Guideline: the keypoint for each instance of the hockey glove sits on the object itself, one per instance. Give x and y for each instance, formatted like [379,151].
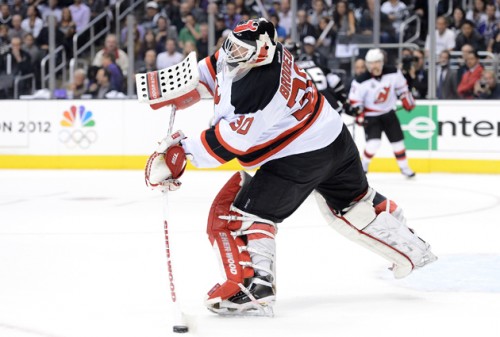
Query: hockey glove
[359,115]
[408,101]
[166,164]
[360,119]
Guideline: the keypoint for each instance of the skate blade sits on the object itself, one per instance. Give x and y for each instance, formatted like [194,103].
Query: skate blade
[251,309]
[427,259]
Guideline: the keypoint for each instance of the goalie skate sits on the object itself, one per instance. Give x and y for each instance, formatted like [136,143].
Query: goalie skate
[255,300]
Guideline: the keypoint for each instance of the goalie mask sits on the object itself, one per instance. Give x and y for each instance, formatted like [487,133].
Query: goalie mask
[252,43]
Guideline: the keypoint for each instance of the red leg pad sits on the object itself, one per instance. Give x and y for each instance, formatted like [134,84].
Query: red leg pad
[219,232]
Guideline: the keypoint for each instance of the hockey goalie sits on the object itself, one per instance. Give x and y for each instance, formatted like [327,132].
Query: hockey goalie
[269,115]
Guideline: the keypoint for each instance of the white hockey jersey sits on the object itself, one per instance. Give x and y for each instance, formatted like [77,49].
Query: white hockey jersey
[272,112]
[378,95]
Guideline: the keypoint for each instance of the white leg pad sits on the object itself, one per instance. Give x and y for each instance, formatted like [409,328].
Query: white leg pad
[383,235]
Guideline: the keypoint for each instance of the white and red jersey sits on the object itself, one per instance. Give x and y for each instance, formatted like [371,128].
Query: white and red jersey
[378,95]
[273,111]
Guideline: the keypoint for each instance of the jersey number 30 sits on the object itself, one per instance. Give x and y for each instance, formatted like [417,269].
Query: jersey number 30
[241,125]
[299,84]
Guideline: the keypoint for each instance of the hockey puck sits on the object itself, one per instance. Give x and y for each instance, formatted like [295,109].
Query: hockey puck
[180,328]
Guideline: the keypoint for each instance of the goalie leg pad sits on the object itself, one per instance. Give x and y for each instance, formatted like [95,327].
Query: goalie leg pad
[380,232]
[230,231]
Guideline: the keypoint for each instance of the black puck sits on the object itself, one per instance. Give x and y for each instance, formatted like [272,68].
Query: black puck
[180,328]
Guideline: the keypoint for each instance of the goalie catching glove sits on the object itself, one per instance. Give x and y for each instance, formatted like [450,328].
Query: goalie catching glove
[166,164]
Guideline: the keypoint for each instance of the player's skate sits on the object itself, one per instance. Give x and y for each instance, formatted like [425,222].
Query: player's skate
[426,257]
[407,172]
[257,299]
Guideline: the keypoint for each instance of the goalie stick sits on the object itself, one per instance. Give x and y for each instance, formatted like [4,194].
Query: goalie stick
[176,86]
[180,325]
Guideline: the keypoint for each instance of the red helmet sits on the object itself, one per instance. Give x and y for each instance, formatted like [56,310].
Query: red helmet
[252,43]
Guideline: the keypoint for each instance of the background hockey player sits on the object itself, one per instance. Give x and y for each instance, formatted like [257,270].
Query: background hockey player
[373,97]
[267,114]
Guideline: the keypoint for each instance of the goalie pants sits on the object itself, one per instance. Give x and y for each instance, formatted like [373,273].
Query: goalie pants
[280,186]
[387,123]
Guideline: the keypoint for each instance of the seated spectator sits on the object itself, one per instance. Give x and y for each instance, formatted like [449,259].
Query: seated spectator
[48,9]
[162,32]
[32,23]
[189,46]
[387,31]
[80,13]
[13,63]
[279,29]
[344,21]
[325,45]
[190,31]
[396,11]
[304,28]
[148,63]
[220,26]
[359,67]
[20,60]
[138,33]
[32,48]
[445,38]
[170,56]
[42,41]
[202,43]
[97,7]
[193,7]
[462,69]
[489,27]
[16,30]
[151,17]
[311,54]
[102,86]
[285,15]
[457,20]
[4,39]
[478,13]
[446,78]
[79,85]
[471,76]
[5,15]
[115,73]
[149,42]
[486,87]
[317,12]
[19,7]
[231,18]
[67,25]
[494,44]
[469,35]
[111,46]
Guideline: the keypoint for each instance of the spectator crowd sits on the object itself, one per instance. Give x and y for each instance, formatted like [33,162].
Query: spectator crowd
[467,39]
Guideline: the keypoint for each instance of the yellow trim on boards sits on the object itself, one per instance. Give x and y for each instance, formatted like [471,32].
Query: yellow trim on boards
[421,165]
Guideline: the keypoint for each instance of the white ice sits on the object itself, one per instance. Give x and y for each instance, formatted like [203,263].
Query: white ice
[82,254]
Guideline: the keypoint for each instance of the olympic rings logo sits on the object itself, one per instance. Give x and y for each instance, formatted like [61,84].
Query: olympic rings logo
[77,138]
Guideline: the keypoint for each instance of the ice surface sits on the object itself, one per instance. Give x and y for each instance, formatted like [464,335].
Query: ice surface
[82,255]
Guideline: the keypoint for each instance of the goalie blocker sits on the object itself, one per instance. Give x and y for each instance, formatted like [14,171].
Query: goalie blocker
[177,85]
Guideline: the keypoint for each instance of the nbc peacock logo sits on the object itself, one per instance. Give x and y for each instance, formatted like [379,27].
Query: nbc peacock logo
[77,128]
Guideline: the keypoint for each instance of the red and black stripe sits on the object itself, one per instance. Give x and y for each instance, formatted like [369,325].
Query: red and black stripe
[215,147]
